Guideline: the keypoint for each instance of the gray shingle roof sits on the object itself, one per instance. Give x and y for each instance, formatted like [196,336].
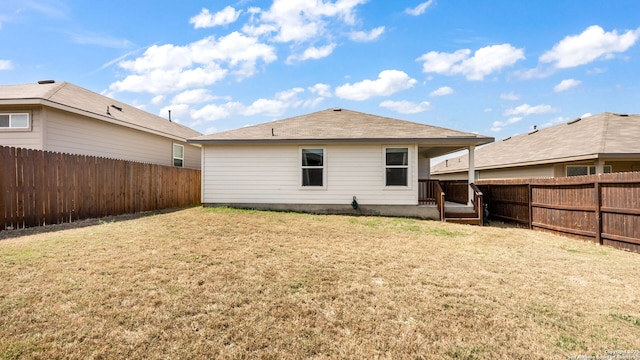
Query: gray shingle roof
[341,125]
[602,135]
[74,98]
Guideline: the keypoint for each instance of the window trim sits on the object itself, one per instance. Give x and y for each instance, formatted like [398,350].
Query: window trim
[588,168]
[174,157]
[385,167]
[302,167]
[19,112]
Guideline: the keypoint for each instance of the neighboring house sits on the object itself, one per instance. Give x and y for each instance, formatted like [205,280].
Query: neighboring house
[596,144]
[321,162]
[62,117]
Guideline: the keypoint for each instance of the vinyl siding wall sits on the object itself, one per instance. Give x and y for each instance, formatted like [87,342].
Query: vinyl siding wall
[271,174]
[29,139]
[76,134]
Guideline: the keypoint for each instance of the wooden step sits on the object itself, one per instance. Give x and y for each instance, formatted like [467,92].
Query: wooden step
[448,214]
[463,220]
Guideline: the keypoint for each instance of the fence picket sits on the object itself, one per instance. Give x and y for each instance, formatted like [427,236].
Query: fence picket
[40,187]
[601,208]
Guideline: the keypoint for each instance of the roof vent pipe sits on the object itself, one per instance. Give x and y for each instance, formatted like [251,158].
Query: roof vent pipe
[169,115]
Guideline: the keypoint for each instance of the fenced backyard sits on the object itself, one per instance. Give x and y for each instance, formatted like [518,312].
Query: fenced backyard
[601,208]
[40,187]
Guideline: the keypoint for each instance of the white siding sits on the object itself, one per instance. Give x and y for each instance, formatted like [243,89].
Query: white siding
[271,174]
[75,134]
[29,139]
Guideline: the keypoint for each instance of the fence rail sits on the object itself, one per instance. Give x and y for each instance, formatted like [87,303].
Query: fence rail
[602,208]
[40,187]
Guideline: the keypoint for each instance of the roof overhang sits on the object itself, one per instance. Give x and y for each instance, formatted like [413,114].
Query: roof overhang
[78,111]
[448,142]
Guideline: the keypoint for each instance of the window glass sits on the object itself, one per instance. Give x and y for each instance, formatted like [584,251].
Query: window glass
[576,170]
[312,157]
[397,156]
[4,120]
[312,167]
[397,166]
[178,155]
[20,120]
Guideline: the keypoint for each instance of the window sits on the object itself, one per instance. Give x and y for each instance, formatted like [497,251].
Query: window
[397,166]
[312,167]
[14,121]
[581,170]
[178,155]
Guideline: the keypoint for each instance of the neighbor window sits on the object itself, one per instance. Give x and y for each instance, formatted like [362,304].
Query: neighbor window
[396,166]
[178,155]
[14,121]
[312,167]
[580,170]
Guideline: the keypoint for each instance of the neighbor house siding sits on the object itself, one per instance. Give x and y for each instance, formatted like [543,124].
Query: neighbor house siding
[518,172]
[270,174]
[30,138]
[76,134]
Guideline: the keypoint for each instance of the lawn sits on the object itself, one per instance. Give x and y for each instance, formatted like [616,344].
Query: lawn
[224,283]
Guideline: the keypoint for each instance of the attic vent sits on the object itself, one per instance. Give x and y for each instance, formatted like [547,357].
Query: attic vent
[41,82]
[623,115]
[574,121]
[116,107]
[337,109]
[535,130]
[505,139]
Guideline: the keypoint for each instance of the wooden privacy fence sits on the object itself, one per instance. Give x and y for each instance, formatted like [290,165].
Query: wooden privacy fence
[40,187]
[601,208]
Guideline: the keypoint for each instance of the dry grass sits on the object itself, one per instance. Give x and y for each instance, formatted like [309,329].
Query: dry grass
[222,283]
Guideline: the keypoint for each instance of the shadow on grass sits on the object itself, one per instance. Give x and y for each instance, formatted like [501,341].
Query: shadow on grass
[16,233]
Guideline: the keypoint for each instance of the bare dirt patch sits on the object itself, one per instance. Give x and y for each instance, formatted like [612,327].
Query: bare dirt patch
[223,283]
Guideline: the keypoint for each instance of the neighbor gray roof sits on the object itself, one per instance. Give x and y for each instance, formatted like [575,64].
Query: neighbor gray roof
[73,98]
[341,125]
[605,135]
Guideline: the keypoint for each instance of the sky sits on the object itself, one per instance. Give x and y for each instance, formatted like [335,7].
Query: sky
[495,67]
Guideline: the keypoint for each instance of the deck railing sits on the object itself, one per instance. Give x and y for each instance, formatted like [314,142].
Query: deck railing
[430,193]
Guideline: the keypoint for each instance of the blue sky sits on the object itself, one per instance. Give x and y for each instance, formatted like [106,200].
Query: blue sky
[492,67]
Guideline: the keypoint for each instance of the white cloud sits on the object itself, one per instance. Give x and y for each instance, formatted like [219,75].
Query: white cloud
[420,9]
[6,65]
[158,99]
[499,125]
[388,82]
[320,89]
[592,44]
[363,36]
[168,68]
[526,109]
[406,107]
[484,61]
[312,53]
[510,96]
[195,96]
[178,112]
[275,106]
[299,21]
[88,38]
[205,19]
[555,121]
[567,84]
[442,91]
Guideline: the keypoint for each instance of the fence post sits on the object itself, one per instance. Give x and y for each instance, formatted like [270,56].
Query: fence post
[598,189]
[530,191]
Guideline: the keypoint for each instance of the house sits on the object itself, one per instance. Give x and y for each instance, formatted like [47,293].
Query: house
[596,144]
[331,161]
[62,117]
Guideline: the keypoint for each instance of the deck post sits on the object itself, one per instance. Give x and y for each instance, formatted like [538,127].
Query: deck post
[472,171]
